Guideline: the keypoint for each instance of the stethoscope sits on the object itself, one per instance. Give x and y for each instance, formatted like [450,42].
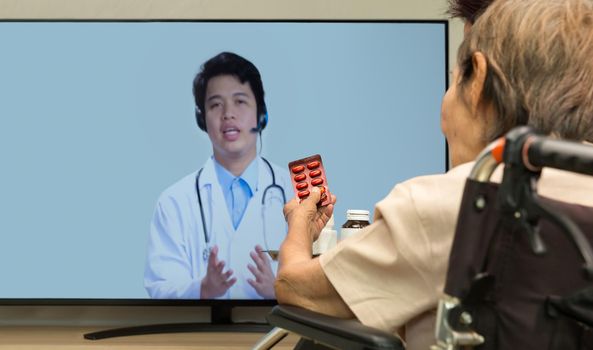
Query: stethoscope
[206,250]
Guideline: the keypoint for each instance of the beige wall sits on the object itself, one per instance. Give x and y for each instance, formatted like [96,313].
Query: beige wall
[234,9]
[255,9]
[196,9]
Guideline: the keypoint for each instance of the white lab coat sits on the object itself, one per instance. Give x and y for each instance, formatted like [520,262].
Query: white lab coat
[176,262]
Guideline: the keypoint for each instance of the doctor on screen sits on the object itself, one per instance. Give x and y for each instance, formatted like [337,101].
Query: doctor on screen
[209,229]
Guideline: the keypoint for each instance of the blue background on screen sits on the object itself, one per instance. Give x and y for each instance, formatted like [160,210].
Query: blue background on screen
[96,119]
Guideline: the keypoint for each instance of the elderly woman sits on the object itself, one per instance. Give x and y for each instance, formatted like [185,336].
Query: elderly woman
[522,62]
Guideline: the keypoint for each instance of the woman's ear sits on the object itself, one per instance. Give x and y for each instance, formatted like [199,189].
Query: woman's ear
[478,78]
[467,26]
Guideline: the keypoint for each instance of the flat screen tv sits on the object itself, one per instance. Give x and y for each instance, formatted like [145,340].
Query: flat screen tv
[97,120]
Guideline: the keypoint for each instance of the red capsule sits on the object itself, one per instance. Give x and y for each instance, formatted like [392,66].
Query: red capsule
[313,164]
[303,194]
[317,182]
[315,173]
[297,169]
[300,177]
[301,185]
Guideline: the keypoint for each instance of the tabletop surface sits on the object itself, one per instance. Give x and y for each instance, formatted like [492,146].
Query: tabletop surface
[71,338]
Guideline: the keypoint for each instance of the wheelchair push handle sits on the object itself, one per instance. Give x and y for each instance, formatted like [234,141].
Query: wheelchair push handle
[566,155]
[533,152]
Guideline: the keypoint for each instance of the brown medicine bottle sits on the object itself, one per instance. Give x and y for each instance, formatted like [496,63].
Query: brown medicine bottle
[355,221]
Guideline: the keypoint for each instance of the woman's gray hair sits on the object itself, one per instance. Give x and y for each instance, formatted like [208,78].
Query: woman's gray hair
[539,66]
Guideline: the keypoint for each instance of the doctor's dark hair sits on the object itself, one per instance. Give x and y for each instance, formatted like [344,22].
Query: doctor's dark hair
[228,63]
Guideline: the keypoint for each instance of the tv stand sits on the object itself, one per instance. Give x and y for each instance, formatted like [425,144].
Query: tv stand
[221,321]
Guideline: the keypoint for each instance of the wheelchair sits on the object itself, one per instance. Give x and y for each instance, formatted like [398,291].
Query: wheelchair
[520,272]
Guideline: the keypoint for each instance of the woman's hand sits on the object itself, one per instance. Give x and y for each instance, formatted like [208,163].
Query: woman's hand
[307,216]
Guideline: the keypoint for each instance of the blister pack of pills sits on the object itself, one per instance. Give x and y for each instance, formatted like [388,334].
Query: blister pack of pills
[307,173]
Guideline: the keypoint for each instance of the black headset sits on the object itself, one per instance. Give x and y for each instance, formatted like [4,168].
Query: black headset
[262,119]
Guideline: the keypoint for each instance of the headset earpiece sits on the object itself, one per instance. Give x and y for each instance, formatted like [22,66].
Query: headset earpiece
[200,119]
[262,121]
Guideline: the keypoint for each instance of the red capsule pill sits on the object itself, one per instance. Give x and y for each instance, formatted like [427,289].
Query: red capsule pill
[297,169]
[303,194]
[301,185]
[317,182]
[313,165]
[300,177]
[315,173]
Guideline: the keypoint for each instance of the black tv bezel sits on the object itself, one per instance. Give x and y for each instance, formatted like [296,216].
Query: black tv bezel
[214,303]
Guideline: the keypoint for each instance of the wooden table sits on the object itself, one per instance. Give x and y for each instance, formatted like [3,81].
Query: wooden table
[71,338]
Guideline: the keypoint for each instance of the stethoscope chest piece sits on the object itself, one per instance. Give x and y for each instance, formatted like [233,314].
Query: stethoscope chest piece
[206,254]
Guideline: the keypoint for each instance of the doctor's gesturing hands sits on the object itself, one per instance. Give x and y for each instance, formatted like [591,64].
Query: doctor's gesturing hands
[264,276]
[216,282]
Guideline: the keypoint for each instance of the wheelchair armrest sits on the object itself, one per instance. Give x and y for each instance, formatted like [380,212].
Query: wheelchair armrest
[331,331]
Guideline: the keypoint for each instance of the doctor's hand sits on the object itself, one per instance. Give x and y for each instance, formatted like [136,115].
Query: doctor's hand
[264,277]
[307,216]
[216,282]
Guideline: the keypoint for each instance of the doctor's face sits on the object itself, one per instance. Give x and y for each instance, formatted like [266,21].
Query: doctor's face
[231,113]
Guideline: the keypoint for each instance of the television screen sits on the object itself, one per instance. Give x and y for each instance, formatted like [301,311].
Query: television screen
[103,160]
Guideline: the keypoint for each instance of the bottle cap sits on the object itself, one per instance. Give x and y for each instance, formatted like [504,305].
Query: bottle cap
[357,214]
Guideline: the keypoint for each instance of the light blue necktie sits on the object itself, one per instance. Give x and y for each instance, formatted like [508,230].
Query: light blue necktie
[239,196]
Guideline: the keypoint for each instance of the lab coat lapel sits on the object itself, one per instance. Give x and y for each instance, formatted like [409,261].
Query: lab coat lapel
[218,219]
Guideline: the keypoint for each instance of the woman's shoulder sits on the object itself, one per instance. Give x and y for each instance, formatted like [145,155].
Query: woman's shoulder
[436,185]
[427,195]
